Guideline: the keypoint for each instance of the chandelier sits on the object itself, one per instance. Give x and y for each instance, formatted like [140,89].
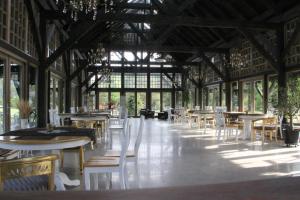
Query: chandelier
[74,7]
[96,56]
[105,72]
[237,59]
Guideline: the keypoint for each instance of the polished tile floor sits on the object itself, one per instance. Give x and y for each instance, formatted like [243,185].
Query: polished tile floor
[177,155]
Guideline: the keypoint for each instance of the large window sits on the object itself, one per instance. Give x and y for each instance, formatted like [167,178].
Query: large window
[167,81]
[155,101]
[129,80]
[32,89]
[3,19]
[130,103]
[155,80]
[115,102]
[115,80]
[178,99]
[258,95]
[141,80]
[103,100]
[141,100]
[213,97]
[167,100]
[234,96]
[18,24]
[2,62]
[247,97]
[15,93]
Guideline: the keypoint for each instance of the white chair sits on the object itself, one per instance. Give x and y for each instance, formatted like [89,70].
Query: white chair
[115,126]
[134,153]
[101,164]
[220,123]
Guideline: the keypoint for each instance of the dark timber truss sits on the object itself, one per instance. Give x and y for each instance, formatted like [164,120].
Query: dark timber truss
[191,31]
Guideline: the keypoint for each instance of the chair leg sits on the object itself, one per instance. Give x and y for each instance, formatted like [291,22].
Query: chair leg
[81,158]
[86,177]
[121,179]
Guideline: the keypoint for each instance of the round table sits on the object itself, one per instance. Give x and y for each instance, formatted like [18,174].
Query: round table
[54,144]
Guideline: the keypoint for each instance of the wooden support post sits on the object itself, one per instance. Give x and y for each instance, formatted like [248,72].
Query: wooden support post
[265,93]
[228,95]
[220,94]
[68,88]
[79,92]
[42,80]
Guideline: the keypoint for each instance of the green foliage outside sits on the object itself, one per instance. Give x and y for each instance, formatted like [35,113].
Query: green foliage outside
[287,102]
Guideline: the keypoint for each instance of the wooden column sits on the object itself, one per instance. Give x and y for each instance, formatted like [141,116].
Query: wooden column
[79,92]
[68,88]
[220,94]
[42,79]
[282,75]
[173,101]
[265,93]
[228,95]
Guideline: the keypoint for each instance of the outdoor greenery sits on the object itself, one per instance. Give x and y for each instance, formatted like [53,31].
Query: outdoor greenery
[287,102]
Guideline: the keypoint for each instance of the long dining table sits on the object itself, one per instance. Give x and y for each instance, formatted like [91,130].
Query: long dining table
[44,143]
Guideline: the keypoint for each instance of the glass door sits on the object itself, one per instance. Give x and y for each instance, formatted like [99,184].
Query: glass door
[32,95]
[15,93]
[115,102]
[155,101]
[131,103]
[167,100]
[103,100]
[2,66]
[141,101]
[247,97]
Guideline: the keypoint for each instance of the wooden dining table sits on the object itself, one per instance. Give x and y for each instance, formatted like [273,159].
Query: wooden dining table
[43,143]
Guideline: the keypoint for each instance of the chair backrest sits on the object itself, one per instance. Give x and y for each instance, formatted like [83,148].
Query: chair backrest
[270,121]
[18,169]
[219,117]
[139,135]
[125,139]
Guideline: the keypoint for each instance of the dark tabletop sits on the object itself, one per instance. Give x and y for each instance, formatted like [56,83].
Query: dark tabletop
[57,131]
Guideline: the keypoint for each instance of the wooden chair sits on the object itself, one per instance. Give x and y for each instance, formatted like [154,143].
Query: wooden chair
[268,126]
[102,164]
[24,174]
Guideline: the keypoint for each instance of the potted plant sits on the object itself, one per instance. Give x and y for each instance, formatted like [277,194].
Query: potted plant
[25,111]
[288,106]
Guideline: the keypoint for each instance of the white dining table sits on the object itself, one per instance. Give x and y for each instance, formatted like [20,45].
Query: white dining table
[54,144]
[248,120]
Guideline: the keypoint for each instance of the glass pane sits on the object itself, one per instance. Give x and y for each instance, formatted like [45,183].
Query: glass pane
[141,80]
[130,103]
[32,88]
[1,95]
[129,80]
[178,99]
[103,100]
[155,101]
[223,95]
[15,81]
[258,95]
[167,100]
[273,91]
[115,102]
[141,101]
[155,80]
[247,97]
[234,97]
